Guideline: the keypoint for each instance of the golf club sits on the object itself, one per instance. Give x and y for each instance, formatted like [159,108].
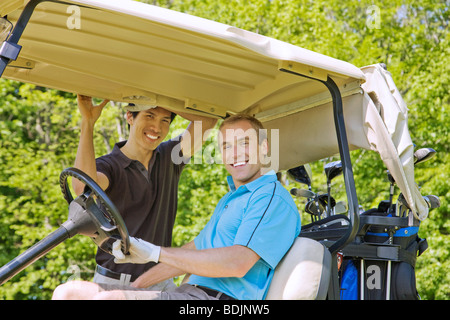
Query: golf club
[332,170]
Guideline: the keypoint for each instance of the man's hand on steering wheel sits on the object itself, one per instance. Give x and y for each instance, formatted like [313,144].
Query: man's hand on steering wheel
[140,252]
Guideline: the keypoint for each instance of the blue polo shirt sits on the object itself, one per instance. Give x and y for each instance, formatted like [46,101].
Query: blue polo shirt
[260,215]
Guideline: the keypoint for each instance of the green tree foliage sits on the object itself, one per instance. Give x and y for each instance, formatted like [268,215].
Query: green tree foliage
[39,131]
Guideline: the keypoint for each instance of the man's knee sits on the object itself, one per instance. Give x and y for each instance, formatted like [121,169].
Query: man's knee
[109,295]
[75,290]
[63,292]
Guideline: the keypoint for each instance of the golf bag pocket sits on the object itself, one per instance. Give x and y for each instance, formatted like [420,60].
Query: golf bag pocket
[403,282]
[349,282]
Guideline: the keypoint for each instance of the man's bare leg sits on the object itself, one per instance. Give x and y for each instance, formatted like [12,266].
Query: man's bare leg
[76,290]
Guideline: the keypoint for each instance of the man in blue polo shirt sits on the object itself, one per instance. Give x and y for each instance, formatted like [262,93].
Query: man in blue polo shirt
[258,216]
[234,256]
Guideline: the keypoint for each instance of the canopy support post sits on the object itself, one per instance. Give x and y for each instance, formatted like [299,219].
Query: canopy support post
[344,151]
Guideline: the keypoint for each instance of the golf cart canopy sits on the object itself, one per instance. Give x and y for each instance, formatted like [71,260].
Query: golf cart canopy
[128,51]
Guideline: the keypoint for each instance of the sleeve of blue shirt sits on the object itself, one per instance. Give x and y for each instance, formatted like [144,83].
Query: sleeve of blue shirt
[270,224]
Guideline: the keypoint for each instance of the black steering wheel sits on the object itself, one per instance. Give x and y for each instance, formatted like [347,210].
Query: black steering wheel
[93,214]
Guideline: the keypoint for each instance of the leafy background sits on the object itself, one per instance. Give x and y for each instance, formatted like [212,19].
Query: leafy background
[39,130]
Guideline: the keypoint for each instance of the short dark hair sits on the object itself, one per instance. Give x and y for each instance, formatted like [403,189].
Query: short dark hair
[256,124]
[172,115]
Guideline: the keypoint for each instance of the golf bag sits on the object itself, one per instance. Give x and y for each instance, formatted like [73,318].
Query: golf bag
[382,266]
[380,263]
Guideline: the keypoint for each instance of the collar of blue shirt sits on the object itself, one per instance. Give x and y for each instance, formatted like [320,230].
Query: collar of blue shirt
[265,178]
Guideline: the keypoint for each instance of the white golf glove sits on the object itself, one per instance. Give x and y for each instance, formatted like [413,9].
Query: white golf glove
[140,252]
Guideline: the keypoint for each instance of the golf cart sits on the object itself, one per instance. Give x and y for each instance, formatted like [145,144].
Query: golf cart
[131,52]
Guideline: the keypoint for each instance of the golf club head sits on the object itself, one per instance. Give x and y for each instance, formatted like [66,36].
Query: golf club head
[302,193]
[311,208]
[402,208]
[333,169]
[384,206]
[402,201]
[323,200]
[340,207]
[432,201]
[301,174]
[423,154]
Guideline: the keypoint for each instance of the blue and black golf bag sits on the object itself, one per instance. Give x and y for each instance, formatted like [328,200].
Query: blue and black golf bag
[380,265]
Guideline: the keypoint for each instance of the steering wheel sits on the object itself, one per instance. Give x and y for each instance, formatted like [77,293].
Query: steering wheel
[93,214]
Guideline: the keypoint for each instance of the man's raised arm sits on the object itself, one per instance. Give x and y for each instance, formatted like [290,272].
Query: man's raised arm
[85,158]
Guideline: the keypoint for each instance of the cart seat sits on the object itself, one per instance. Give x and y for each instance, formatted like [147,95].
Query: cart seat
[303,273]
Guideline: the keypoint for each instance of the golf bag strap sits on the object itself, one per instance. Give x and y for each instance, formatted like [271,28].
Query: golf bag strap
[423,245]
[377,252]
[408,257]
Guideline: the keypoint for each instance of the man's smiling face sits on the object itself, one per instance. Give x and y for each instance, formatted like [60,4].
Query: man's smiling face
[150,127]
[241,151]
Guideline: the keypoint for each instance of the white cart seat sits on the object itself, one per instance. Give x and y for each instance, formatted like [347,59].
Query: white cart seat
[303,273]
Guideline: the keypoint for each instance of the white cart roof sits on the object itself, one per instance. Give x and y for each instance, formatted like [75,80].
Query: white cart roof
[128,51]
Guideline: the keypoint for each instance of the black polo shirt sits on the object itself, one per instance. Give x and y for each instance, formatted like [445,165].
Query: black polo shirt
[147,200]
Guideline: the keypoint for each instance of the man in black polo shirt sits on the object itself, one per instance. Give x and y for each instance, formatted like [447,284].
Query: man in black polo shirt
[139,176]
